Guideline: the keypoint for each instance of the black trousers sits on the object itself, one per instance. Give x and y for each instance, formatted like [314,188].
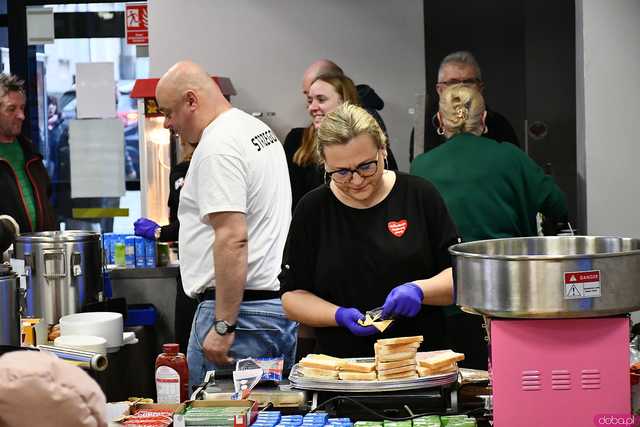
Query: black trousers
[465,334]
[185,310]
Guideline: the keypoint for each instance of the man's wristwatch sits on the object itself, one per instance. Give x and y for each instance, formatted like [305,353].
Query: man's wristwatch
[222,327]
[157,232]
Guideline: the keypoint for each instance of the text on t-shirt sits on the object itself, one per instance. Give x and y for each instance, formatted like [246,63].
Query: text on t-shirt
[264,139]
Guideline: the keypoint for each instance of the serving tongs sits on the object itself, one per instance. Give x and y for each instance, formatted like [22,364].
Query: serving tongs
[374,317]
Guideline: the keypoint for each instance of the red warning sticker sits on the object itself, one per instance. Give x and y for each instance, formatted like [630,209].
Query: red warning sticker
[582,284]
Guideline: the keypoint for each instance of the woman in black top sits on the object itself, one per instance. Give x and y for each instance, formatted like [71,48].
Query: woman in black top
[325,94]
[371,237]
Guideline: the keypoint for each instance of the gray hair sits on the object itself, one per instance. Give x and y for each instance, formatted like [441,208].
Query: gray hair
[461,57]
[10,83]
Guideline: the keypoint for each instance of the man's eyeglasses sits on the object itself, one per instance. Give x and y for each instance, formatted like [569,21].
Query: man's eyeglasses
[458,82]
[365,170]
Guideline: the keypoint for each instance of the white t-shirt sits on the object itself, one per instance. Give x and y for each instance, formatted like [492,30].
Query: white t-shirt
[238,166]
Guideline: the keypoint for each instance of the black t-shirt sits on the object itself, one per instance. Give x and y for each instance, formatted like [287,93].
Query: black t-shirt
[351,257]
[303,178]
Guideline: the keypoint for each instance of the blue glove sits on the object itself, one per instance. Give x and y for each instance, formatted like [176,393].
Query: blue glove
[404,300]
[146,228]
[348,318]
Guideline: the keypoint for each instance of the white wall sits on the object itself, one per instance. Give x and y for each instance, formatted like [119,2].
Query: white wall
[265,45]
[608,103]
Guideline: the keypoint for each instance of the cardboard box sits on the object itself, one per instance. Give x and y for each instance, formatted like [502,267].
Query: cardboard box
[132,409]
[240,420]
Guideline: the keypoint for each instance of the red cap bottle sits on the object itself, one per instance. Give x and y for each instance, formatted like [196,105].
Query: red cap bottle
[172,375]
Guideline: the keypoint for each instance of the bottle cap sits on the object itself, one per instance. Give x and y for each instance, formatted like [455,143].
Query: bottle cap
[171,348]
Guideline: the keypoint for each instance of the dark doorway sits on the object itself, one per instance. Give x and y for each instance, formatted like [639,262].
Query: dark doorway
[527,54]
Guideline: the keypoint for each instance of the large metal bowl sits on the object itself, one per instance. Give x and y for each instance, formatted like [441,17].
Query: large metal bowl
[527,277]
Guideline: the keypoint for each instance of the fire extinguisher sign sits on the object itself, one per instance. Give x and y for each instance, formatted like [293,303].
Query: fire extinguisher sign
[136,24]
[582,284]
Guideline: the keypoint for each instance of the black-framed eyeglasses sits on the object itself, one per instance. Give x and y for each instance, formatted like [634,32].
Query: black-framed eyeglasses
[365,170]
[452,82]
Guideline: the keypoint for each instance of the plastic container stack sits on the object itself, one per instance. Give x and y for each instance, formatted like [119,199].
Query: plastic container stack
[129,251]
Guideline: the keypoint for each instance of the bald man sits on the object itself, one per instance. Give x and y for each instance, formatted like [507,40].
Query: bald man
[321,67]
[234,213]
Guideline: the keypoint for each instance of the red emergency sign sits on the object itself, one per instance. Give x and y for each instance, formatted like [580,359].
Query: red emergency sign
[136,24]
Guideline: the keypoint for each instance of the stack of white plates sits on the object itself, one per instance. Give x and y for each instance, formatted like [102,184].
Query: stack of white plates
[82,342]
[106,325]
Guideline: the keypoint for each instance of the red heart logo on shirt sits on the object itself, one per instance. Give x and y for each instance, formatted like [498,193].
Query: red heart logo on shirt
[397,228]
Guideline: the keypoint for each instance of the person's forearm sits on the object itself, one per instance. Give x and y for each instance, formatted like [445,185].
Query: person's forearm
[309,309]
[230,263]
[438,290]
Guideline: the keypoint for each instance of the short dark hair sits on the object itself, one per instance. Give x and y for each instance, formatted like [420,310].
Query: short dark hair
[10,83]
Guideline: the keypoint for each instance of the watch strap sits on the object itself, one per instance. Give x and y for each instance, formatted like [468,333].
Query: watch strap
[229,327]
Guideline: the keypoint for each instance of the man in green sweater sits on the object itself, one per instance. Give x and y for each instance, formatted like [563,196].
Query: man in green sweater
[23,179]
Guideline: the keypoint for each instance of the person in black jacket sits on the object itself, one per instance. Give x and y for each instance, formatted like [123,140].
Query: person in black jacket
[24,182]
[185,306]
[462,67]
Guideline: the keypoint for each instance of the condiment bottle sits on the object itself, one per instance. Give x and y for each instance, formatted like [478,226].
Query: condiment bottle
[172,375]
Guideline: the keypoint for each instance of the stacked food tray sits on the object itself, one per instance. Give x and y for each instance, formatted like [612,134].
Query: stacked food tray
[299,381]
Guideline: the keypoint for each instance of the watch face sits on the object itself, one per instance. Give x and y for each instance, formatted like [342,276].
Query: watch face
[221,327]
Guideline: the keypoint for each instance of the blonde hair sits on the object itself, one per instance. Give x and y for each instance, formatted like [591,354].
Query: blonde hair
[461,109]
[307,153]
[348,121]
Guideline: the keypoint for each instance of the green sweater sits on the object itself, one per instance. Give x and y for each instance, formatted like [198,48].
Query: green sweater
[12,153]
[492,190]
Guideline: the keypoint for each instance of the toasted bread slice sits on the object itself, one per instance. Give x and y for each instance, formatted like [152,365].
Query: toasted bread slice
[439,359]
[317,363]
[386,349]
[381,366]
[402,375]
[318,373]
[398,370]
[393,357]
[424,372]
[400,340]
[321,356]
[358,376]
[350,366]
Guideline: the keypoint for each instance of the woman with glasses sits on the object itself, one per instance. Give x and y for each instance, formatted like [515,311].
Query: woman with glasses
[492,190]
[368,238]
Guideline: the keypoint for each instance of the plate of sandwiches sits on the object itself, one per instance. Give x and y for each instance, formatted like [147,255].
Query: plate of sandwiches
[397,365]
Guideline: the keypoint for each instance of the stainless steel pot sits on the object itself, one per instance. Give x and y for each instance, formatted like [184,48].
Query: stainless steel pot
[548,277]
[9,307]
[64,272]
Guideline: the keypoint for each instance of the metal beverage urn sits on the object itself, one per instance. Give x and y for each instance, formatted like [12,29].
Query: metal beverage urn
[64,272]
